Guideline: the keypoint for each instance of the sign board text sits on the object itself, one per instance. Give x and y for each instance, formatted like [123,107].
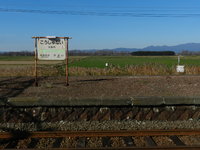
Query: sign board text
[51,49]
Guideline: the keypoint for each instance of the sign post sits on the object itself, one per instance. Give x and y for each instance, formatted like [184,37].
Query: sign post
[67,61]
[35,72]
[51,48]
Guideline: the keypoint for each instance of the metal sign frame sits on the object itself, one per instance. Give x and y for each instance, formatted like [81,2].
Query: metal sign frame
[36,56]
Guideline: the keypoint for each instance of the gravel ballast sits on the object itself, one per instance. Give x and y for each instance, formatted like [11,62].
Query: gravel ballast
[103,125]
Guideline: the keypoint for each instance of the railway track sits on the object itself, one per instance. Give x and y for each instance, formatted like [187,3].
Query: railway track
[83,140]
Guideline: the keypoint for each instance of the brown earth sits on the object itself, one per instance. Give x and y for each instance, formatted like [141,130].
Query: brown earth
[101,87]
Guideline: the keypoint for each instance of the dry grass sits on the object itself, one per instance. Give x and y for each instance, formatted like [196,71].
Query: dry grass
[43,70]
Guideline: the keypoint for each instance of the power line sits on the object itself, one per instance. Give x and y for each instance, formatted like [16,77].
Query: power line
[102,13]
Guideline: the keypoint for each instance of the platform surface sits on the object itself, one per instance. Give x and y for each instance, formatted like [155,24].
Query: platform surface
[101,90]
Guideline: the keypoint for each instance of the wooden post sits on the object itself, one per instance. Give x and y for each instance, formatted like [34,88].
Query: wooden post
[67,61]
[36,83]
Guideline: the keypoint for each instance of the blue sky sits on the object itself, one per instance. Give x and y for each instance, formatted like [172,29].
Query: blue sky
[99,24]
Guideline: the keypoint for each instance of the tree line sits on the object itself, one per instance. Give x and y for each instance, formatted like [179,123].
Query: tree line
[20,53]
[153,53]
[109,53]
[71,53]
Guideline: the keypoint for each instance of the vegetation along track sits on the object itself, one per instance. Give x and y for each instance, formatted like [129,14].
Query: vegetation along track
[139,139]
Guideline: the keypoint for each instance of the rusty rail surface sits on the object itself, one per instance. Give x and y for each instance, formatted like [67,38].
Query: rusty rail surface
[173,135]
[121,133]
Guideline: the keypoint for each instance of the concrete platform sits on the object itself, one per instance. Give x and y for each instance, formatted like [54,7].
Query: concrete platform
[101,91]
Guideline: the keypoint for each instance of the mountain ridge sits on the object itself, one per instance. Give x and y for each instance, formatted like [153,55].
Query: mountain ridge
[176,48]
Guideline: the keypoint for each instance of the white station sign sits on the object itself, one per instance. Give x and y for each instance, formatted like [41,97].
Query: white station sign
[51,49]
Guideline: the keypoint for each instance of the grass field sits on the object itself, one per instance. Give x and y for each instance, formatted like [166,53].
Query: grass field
[95,65]
[124,61]
[16,58]
[120,61]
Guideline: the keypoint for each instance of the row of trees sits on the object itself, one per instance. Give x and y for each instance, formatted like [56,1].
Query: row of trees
[98,53]
[20,53]
[189,53]
[153,53]
[109,53]
[71,53]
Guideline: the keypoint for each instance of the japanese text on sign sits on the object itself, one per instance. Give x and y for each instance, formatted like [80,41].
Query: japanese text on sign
[51,49]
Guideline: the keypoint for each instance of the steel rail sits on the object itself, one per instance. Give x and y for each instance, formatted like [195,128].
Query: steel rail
[121,133]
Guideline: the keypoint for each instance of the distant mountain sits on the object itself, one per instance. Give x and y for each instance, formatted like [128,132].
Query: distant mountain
[125,49]
[176,48]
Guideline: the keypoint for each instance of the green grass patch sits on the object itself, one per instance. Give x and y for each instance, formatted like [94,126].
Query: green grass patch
[116,61]
[123,61]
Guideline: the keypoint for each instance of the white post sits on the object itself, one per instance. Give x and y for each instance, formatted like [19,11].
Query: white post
[178,60]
